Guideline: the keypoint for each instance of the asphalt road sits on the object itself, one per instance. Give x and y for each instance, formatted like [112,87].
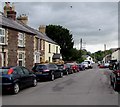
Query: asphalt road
[89,87]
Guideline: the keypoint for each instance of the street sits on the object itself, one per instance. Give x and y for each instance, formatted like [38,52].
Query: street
[89,87]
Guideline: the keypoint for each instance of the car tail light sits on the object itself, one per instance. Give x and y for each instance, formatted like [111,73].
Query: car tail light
[64,67]
[118,73]
[46,70]
[10,71]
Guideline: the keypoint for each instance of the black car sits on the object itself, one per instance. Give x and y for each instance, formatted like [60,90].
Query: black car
[48,71]
[16,78]
[65,68]
[115,77]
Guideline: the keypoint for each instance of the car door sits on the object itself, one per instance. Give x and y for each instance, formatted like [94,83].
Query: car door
[21,77]
[28,76]
[56,70]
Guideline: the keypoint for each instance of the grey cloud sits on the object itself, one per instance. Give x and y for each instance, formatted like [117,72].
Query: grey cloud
[84,19]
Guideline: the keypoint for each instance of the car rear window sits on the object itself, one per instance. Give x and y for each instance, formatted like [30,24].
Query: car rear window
[41,67]
[60,66]
[4,71]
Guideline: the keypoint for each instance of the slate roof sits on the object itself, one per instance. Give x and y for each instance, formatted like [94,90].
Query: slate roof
[15,24]
[10,23]
[39,34]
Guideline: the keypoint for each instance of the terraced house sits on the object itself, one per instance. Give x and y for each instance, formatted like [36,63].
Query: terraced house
[45,49]
[16,43]
[22,45]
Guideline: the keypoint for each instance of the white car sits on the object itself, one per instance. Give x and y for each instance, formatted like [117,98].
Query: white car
[85,64]
[90,65]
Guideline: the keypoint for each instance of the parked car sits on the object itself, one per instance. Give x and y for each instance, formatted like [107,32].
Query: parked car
[65,68]
[104,65]
[86,65]
[81,66]
[74,67]
[115,77]
[68,68]
[90,65]
[16,78]
[48,71]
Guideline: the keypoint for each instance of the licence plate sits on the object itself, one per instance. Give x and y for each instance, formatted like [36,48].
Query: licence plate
[38,72]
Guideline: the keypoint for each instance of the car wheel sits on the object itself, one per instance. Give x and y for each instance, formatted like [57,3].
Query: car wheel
[67,73]
[16,88]
[34,83]
[52,77]
[61,74]
[115,86]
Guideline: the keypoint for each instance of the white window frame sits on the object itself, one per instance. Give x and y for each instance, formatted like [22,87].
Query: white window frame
[21,39]
[22,58]
[2,36]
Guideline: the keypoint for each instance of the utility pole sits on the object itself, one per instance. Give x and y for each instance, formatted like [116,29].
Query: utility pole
[105,51]
[80,48]
[81,44]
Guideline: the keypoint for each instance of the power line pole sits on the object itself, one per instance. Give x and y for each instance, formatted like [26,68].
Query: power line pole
[81,44]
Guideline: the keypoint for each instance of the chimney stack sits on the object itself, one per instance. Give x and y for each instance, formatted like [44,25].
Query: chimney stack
[9,11]
[23,18]
[42,29]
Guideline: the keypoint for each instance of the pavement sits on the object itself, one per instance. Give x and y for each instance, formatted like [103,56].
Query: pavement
[89,87]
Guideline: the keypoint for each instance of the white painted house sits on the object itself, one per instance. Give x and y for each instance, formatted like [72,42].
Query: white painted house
[51,47]
[88,58]
[116,55]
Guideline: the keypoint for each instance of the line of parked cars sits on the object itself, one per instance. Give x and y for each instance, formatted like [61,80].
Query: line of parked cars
[13,79]
[114,75]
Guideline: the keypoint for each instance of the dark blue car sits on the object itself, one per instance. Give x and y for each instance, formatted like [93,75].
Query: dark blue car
[16,78]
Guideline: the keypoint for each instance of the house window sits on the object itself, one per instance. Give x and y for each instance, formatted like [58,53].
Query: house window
[56,49]
[41,44]
[2,36]
[21,59]
[21,39]
[49,59]
[49,48]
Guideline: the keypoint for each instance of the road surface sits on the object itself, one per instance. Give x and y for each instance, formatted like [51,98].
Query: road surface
[89,87]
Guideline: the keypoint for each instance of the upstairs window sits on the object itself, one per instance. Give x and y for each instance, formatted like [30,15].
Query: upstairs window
[21,39]
[49,48]
[21,58]
[2,36]
[56,49]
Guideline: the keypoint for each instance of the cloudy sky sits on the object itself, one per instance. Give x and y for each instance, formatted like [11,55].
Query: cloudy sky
[95,22]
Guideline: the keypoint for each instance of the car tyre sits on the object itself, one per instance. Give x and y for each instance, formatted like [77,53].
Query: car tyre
[67,73]
[52,77]
[61,74]
[16,88]
[34,82]
[115,86]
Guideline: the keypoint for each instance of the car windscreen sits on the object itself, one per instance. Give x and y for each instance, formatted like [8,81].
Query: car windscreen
[3,71]
[85,62]
[41,67]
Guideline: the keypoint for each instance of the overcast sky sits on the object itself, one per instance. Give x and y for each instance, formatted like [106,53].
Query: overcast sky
[95,22]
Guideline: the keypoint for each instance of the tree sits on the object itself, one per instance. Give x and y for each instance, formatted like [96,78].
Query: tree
[63,37]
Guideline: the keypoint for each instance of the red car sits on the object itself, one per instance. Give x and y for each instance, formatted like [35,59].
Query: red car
[74,67]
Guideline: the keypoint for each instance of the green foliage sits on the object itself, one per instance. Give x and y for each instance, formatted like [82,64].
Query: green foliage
[99,55]
[63,37]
